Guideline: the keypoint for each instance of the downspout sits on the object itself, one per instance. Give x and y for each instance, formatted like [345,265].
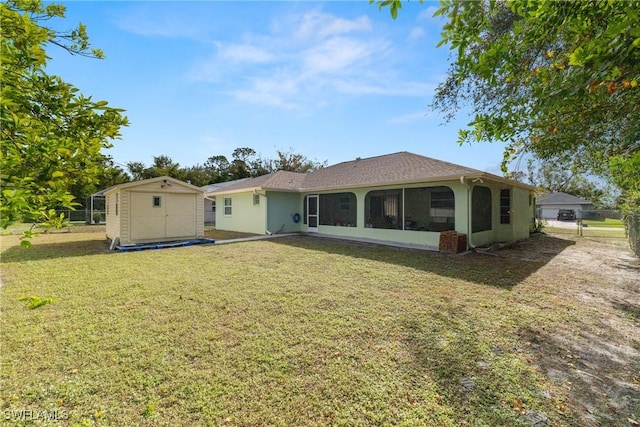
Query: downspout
[469,233]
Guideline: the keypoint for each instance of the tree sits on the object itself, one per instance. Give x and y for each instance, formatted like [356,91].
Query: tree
[294,162]
[218,167]
[162,166]
[567,176]
[136,170]
[549,78]
[246,164]
[52,136]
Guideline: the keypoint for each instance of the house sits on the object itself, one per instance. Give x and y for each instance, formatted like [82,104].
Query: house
[154,210]
[210,204]
[548,205]
[396,198]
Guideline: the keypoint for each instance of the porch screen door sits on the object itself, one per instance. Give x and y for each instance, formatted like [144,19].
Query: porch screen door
[312,213]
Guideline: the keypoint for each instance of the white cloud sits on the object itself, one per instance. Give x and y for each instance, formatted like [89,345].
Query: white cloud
[244,53]
[328,57]
[427,14]
[318,25]
[416,33]
[337,55]
[142,23]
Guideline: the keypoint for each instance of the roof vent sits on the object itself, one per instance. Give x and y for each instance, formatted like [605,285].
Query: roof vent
[358,159]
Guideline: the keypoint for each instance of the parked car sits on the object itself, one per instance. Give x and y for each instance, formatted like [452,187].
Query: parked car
[566,215]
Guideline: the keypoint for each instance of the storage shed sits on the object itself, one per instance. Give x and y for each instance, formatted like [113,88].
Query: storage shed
[154,210]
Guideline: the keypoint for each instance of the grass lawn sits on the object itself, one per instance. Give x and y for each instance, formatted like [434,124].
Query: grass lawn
[290,331]
[606,223]
[609,233]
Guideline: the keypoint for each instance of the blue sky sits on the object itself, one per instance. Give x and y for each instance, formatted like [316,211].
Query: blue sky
[330,80]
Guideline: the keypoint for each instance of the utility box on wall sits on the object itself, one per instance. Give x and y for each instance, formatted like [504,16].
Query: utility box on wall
[452,242]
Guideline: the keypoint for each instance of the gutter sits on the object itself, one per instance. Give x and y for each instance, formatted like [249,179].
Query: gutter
[469,233]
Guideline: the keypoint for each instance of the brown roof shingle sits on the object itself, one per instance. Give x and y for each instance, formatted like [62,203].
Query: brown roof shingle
[396,168]
[387,169]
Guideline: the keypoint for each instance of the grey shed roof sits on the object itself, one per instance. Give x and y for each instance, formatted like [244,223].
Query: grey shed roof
[561,199]
[390,169]
[220,185]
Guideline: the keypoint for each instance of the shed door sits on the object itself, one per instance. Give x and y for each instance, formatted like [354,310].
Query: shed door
[161,216]
[180,215]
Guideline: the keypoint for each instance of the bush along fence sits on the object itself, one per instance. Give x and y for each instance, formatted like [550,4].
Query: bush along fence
[633,230]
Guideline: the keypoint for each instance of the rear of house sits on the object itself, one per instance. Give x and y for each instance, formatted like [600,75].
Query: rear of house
[398,198]
[154,210]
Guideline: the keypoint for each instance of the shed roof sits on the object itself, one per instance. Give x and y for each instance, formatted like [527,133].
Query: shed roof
[164,179]
[389,169]
[561,198]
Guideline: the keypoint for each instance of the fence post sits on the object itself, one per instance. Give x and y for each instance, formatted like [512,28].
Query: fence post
[633,230]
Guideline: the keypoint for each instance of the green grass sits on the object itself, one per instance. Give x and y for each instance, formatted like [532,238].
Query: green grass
[591,232]
[607,223]
[293,331]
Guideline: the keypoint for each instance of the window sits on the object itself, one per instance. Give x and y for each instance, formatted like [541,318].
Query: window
[156,201]
[505,206]
[429,209]
[256,199]
[383,209]
[338,209]
[480,209]
[117,202]
[227,206]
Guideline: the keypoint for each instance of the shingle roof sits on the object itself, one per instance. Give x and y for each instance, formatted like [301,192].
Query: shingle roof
[387,169]
[561,199]
[402,167]
[280,180]
[220,185]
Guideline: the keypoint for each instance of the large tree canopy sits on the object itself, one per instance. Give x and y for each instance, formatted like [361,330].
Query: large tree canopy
[551,78]
[52,136]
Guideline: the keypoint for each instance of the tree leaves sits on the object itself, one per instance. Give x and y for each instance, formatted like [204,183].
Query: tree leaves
[52,136]
[547,78]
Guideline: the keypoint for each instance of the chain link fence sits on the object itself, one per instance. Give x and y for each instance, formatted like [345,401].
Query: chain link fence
[86,216]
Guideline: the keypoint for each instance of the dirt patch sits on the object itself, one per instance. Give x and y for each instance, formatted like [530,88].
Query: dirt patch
[595,356]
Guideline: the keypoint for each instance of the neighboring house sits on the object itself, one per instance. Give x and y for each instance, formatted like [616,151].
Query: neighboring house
[402,198]
[548,205]
[210,204]
[154,210]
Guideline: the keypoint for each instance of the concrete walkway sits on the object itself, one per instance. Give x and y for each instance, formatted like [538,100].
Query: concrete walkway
[252,238]
[316,235]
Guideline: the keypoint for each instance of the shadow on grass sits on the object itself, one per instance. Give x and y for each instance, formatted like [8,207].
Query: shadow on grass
[598,374]
[64,249]
[468,372]
[505,270]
